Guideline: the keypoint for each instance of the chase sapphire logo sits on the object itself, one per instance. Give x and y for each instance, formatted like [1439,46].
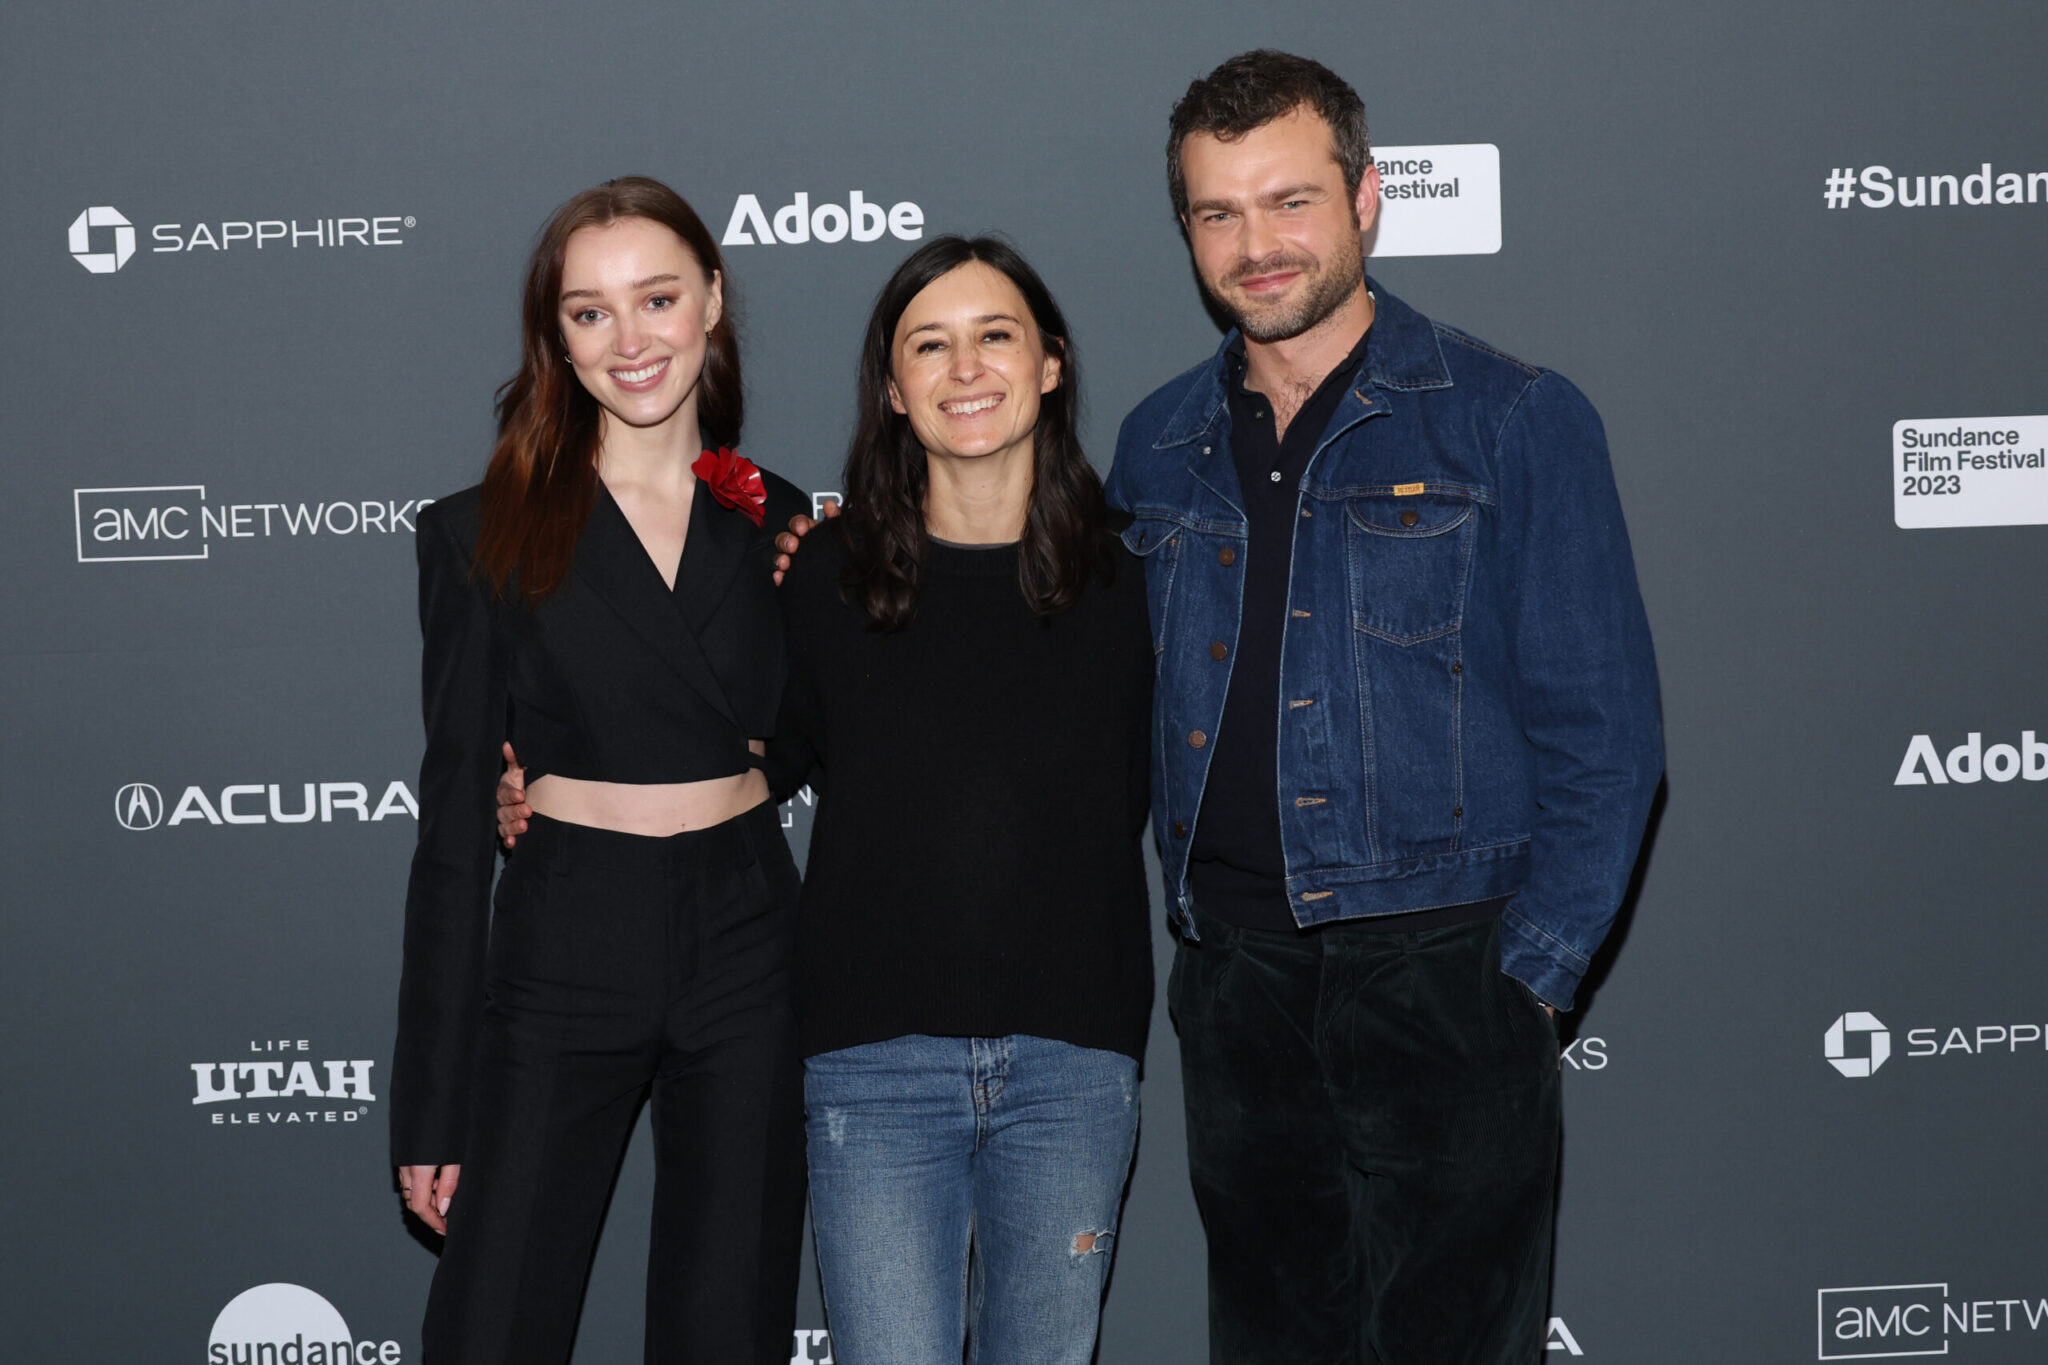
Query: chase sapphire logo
[1836,1043]
[102,262]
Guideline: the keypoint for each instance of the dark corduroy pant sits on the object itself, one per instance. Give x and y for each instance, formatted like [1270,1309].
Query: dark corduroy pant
[1372,1122]
[623,969]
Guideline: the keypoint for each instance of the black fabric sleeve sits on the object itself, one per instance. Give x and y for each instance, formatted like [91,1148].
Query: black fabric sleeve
[796,753]
[447,903]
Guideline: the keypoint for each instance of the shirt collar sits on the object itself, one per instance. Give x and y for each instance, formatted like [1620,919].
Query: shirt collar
[1403,355]
[1345,370]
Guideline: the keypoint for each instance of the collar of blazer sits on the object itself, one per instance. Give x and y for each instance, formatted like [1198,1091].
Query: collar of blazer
[612,562]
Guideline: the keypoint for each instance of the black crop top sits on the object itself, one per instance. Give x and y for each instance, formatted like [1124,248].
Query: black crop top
[613,677]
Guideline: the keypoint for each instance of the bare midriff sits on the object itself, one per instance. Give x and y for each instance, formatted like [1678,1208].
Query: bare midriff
[651,808]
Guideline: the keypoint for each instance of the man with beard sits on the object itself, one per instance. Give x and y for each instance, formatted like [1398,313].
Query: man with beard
[1406,740]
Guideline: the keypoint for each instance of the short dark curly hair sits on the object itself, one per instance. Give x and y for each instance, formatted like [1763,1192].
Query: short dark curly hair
[1254,88]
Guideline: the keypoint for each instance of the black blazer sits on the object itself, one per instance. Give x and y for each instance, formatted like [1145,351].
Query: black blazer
[613,677]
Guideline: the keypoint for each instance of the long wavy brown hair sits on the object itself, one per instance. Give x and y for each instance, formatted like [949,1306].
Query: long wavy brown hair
[542,480]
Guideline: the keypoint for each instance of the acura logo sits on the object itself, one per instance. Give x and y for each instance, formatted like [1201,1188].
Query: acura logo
[102,262]
[139,806]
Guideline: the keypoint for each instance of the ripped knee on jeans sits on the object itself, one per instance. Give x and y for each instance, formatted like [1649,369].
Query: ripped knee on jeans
[1092,1243]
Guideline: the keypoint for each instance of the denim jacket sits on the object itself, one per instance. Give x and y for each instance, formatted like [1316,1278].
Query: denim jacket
[1468,696]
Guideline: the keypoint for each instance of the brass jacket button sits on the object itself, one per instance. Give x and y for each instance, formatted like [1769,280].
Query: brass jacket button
[1409,517]
[1226,556]
[1219,650]
[1180,829]
[1196,739]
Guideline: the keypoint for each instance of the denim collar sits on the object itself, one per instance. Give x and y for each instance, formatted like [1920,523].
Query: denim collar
[1404,357]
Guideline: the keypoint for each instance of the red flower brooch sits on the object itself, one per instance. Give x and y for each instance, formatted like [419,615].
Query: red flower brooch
[735,481]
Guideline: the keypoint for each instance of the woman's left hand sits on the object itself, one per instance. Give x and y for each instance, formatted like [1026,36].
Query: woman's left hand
[429,1192]
[787,543]
[513,811]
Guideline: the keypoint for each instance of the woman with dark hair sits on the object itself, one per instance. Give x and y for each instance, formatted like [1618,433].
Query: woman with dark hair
[604,599]
[970,690]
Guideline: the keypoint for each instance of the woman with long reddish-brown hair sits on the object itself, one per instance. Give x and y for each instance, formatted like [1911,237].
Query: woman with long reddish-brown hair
[604,600]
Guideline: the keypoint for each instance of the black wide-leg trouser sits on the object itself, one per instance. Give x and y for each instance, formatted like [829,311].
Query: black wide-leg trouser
[1372,1124]
[622,969]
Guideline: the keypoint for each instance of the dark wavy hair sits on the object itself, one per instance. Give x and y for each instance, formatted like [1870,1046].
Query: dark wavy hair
[885,480]
[542,481]
[1251,90]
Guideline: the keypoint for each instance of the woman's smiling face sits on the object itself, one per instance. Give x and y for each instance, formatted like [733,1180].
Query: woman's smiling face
[635,311]
[968,366]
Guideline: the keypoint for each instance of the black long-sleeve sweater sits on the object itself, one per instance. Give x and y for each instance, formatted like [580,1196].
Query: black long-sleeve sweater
[975,867]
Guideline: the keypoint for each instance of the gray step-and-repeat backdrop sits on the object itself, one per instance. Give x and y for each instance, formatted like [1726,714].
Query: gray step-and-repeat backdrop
[263,262]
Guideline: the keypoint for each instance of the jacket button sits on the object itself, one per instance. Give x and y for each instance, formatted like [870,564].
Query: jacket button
[1196,739]
[1180,829]
[1409,518]
[1457,812]
[1226,556]
[1219,650]
[1457,668]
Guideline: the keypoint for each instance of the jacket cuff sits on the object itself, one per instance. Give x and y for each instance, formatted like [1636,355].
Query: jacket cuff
[1539,961]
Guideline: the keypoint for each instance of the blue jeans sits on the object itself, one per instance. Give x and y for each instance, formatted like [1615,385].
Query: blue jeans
[967,1189]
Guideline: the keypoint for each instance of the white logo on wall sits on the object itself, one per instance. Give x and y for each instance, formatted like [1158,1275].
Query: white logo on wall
[1583,1054]
[813,1346]
[1883,1321]
[102,262]
[1558,1337]
[859,219]
[1877,187]
[140,805]
[281,1085]
[802,803]
[1969,471]
[273,234]
[288,1324]
[1858,1059]
[1972,761]
[1438,200]
[175,521]
[1836,1043]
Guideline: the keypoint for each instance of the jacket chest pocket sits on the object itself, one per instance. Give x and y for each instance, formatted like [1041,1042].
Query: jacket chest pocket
[1157,541]
[1409,560]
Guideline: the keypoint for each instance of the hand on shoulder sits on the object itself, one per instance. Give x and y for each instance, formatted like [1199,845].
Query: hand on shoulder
[789,542]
